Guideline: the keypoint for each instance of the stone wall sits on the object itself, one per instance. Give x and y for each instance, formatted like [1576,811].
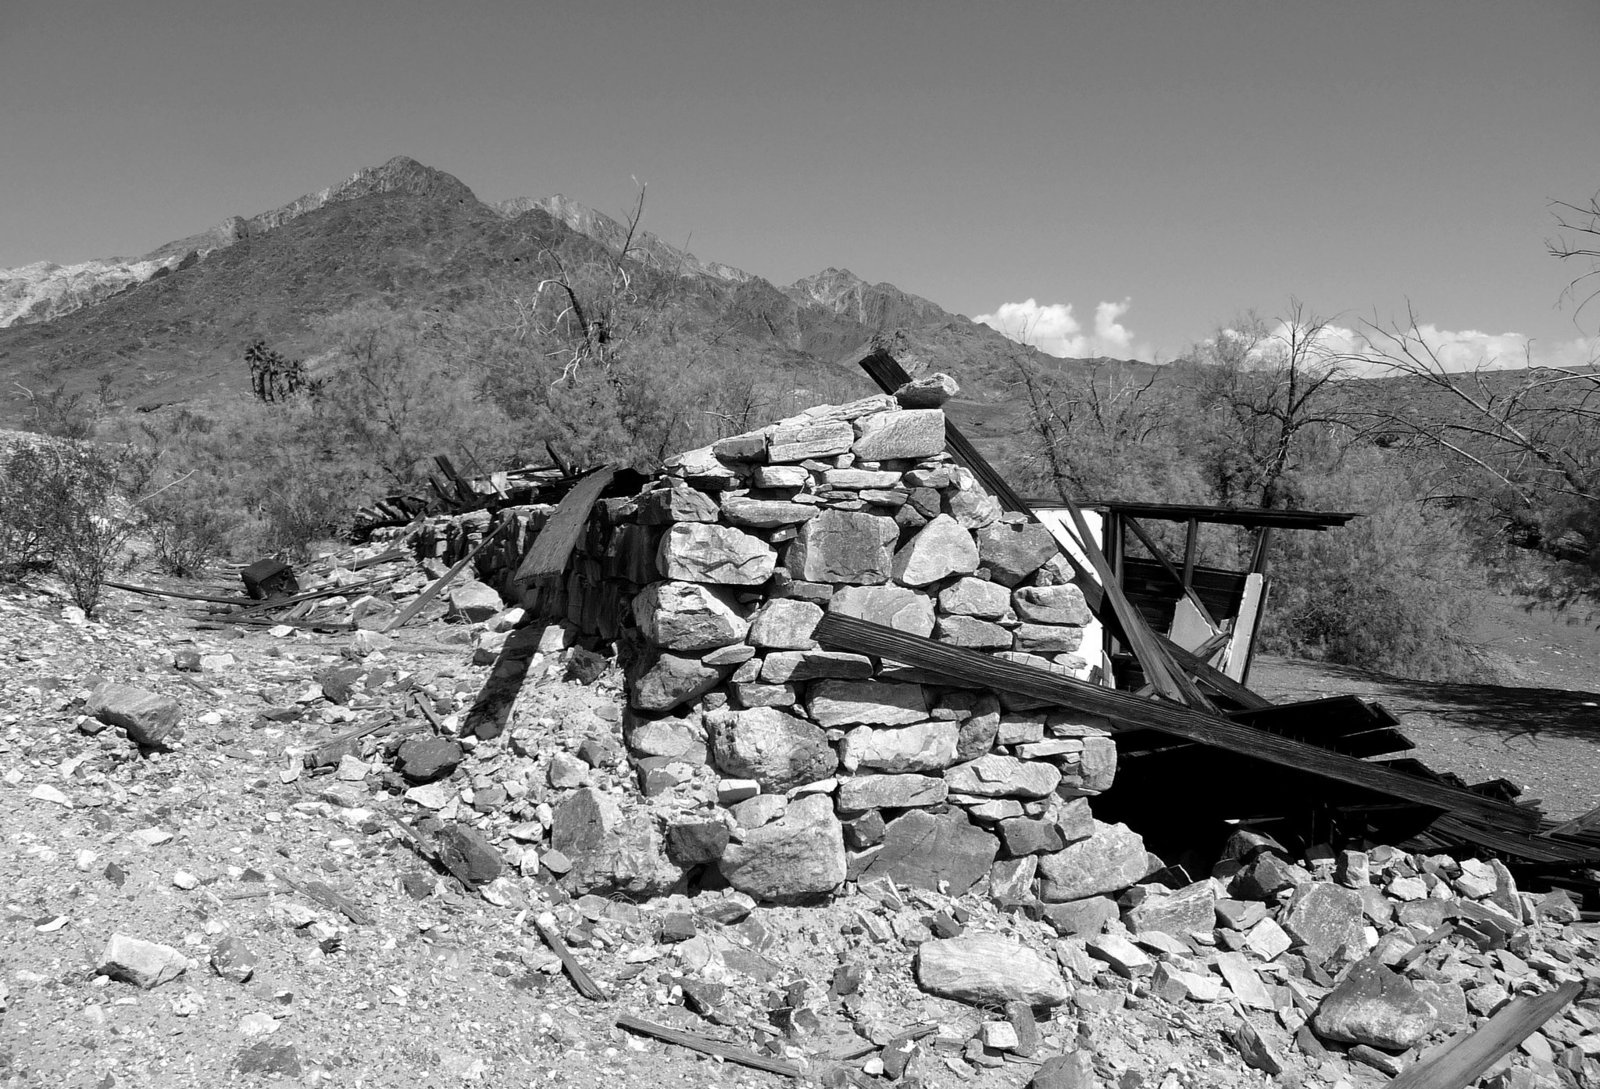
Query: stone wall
[826,766]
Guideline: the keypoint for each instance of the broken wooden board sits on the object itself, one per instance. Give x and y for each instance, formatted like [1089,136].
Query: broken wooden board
[1128,711]
[548,555]
[1462,1059]
[420,602]
[707,1046]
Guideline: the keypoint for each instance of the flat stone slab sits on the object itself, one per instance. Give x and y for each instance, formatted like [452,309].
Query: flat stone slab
[988,970]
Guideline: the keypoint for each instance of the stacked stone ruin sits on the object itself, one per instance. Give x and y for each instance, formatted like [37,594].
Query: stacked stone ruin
[827,766]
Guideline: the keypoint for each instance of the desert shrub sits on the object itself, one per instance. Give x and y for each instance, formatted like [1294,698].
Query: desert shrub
[64,514]
[187,530]
[1394,590]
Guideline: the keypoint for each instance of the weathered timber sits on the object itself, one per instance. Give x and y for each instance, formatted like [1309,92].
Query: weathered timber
[1128,711]
[183,595]
[1167,565]
[552,548]
[1211,677]
[1585,822]
[707,1046]
[581,979]
[1158,666]
[1462,1059]
[420,602]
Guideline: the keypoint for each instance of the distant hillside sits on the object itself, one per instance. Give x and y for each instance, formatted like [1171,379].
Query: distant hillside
[409,236]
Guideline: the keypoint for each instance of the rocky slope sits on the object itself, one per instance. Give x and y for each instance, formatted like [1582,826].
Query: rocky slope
[170,326]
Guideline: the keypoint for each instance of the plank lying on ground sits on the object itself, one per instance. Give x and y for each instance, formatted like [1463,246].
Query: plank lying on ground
[420,602]
[1464,1057]
[548,554]
[258,607]
[1583,823]
[325,895]
[974,667]
[707,1046]
[273,622]
[154,591]
[581,979]
[1158,666]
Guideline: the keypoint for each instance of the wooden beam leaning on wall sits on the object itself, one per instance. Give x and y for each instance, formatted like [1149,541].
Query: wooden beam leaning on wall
[1159,667]
[1128,711]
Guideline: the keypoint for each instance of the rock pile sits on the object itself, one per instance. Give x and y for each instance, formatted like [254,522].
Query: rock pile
[825,766]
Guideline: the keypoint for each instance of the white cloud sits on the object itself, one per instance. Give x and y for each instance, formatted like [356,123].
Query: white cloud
[1054,330]
[1467,349]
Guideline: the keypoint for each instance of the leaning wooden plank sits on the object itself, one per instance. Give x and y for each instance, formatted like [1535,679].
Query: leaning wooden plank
[1125,710]
[551,549]
[1159,669]
[1465,1057]
[420,602]
[1213,678]
[707,1046]
[581,979]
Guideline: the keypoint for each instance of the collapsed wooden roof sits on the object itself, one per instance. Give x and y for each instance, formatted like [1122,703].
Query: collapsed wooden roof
[1324,744]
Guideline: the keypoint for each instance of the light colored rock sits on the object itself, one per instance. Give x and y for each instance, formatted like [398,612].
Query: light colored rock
[1243,981]
[844,547]
[798,857]
[988,970]
[676,503]
[1377,1007]
[765,513]
[473,601]
[792,666]
[892,606]
[1110,860]
[969,631]
[785,624]
[924,746]
[975,597]
[997,776]
[144,964]
[1062,604]
[873,703]
[1125,958]
[698,552]
[866,792]
[782,476]
[859,479]
[1046,639]
[913,433]
[777,750]
[149,719]
[688,616]
[1179,912]
[938,550]
[801,440]
[1323,918]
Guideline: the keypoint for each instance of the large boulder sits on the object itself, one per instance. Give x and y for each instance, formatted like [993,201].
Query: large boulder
[1108,861]
[775,749]
[923,746]
[989,970]
[1376,1007]
[610,853]
[867,792]
[1013,551]
[844,547]
[698,552]
[688,616]
[885,436]
[796,858]
[785,623]
[940,549]
[803,440]
[975,597]
[149,719]
[998,776]
[929,850]
[1062,604]
[1324,918]
[741,510]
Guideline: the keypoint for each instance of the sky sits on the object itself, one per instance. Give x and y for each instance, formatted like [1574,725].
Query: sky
[1120,178]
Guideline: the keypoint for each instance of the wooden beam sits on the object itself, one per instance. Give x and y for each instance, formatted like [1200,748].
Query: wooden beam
[1191,538]
[707,1046]
[1177,576]
[1128,711]
[419,602]
[552,548]
[1465,1056]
